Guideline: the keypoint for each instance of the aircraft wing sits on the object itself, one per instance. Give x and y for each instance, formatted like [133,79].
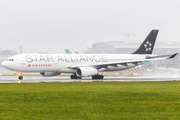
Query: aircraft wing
[115,63]
[141,61]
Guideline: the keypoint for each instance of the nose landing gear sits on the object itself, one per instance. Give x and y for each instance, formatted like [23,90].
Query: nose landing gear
[20,77]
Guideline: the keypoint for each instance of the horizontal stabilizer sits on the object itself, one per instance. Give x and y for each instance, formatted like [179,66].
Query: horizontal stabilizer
[162,56]
[172,56]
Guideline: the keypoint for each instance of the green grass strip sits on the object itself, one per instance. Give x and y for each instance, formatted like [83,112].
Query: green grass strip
[90,101]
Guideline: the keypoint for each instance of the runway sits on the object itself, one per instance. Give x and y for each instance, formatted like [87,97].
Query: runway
[39,79]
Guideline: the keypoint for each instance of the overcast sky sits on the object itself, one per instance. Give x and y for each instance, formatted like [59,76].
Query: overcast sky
[54,25]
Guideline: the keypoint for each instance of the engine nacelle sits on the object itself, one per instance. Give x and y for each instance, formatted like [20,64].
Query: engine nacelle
[49,74]
[86,71]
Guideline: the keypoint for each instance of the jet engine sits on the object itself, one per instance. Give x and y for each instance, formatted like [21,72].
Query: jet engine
[86,71]
[49,74]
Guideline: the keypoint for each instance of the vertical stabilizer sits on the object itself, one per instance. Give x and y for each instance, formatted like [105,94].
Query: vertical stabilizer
[148,45]
[67,51]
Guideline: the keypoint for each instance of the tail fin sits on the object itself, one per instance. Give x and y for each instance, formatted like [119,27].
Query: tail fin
[148,45]
[76,52]
[67,51]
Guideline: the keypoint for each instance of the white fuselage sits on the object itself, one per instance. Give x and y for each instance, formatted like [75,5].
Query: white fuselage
[64,63]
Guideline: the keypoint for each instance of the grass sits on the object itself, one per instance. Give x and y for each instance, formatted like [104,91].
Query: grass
[96,100]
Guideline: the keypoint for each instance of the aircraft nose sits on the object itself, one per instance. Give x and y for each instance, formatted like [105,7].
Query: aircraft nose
[4,64]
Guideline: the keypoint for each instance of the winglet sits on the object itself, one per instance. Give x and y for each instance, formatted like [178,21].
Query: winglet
[172,56]
[148,45]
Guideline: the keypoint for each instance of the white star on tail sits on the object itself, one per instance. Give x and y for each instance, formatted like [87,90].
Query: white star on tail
[148,46]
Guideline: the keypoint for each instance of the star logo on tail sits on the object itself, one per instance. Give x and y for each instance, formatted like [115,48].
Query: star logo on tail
[148,46]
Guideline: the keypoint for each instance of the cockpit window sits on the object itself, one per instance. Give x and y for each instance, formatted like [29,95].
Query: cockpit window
[10,60]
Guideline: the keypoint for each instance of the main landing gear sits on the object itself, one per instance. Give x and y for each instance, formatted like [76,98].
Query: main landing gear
[93,77]
[98,77]
[75,77]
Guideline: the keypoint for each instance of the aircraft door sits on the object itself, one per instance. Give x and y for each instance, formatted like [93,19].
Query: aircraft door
[22,62]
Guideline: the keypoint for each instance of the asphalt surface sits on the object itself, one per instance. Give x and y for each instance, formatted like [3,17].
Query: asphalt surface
[35,79]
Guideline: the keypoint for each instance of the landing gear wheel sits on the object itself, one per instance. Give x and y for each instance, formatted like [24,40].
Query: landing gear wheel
[98,77]
[75,77]
[20,77]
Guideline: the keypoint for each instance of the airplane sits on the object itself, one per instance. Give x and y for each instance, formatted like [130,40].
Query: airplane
[76,52]
[68,51]
[84,65]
